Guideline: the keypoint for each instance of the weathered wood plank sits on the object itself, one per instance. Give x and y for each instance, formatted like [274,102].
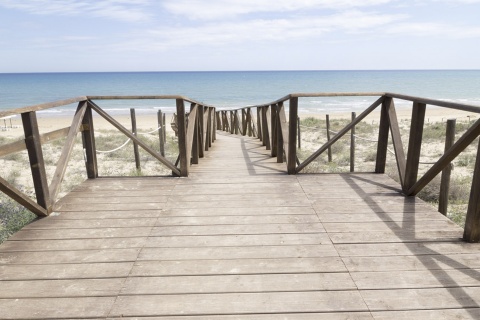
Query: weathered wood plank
[246,303]
[82,233]
[412,263]
[60,257]
[417,279]
[73,244]
[238,240]
[41,308]
[238,229]
[65,271]
[61,288]
[243,266]
[237,283]
[252,252]
[422,299]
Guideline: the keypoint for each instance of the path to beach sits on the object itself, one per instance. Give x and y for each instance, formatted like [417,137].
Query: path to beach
[240,239]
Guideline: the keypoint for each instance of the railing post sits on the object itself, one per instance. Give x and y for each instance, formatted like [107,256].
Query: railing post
[244,122]
[292,136]
[201,130]
[135,145]
[195,143]
[235,119]
[259,124]
[383,132]
[273,124]
[472,221]
[214,125]
[280,142]
[182,138]
[352,145]
[160,133]
[35,156]
[329,151]
[445,180]
[299,134]
[249,121]
[88,139]
[164,128]
[414,144]
[265,129]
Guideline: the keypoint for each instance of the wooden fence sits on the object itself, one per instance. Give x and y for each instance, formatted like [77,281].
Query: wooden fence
[280,136]
[195,135]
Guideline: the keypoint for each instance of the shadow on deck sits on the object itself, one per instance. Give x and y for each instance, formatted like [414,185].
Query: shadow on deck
[240,239]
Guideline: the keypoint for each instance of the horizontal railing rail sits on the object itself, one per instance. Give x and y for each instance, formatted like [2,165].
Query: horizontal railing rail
[279,133]
[195,130]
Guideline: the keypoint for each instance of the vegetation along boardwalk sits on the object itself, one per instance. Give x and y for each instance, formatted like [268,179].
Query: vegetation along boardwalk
[303,247]
[236,237]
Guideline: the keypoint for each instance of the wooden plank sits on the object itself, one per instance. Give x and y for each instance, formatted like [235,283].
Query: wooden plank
[82,233]
[414,144]
[419,226]
[61,257]
[285,316]
[243,266]
[229,220]
[238,229]
[65,271]
[396,236]
[253,211]
[237,283]
[73,244]
[422,299]
[412,263]
[182,139]
[60,288]
[238,240]
[109,206]
[42,308]
[54,223]
[406,249]
[65,156]
[460,313]
[246,303]
[417,279]
[224,253]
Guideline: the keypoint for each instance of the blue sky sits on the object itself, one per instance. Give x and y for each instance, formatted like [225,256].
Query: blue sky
[178,35]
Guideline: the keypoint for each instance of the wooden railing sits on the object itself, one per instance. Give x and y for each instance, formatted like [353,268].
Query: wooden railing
[280,136]
[195,135]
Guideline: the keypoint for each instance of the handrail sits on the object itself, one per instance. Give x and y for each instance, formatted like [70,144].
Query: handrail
[194,137]
[281,137]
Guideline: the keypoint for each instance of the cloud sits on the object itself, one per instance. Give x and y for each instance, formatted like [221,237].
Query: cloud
[426,29]
[123,10]
[261,30]
[223,9]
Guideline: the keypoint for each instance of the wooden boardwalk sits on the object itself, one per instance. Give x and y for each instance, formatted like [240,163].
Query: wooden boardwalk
[240,239]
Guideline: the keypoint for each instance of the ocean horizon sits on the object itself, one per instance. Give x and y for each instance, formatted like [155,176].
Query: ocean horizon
[233,89]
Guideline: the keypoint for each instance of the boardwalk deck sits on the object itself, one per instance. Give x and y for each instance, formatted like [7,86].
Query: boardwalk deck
[240,239]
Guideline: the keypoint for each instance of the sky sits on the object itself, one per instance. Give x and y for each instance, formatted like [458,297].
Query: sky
[211,35]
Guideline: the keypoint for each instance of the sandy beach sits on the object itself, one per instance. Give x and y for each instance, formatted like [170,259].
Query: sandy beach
[148,122]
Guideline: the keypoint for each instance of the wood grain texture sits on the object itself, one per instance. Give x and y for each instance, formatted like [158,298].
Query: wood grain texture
[240,241]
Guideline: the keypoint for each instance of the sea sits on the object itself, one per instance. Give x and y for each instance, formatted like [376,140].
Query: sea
[234,89]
